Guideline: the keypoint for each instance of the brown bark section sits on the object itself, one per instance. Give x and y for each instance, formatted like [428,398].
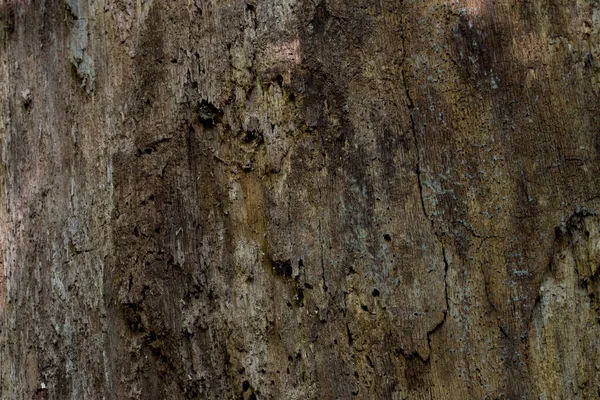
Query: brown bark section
[297,199]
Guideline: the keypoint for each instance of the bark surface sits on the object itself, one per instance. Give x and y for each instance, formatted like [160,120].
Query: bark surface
[270,199]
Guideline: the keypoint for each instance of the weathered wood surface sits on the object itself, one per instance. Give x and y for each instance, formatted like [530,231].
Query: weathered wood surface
[299,199]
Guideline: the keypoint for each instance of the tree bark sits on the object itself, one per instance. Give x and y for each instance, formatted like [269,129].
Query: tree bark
[299,199]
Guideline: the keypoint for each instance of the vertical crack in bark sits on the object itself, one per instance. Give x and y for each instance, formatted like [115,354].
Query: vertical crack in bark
[411,108]
[446,266]
[322,258]
[350,340]
[538,299]
[446,311]
[349,335]
[322,248]
[491,303]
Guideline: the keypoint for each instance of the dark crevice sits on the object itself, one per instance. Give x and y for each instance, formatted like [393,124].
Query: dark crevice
[411,107]
[299,297]
[152,147]
[413,129]
[486,291]
[208,114]
[446,266]
[350,340]
[413,355]
[282,268]
[447,310]
[322,249]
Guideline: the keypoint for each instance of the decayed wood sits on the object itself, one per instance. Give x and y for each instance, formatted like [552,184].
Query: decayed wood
[299,199]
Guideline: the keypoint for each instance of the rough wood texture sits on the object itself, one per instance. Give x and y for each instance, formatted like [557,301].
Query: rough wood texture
[299,199]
